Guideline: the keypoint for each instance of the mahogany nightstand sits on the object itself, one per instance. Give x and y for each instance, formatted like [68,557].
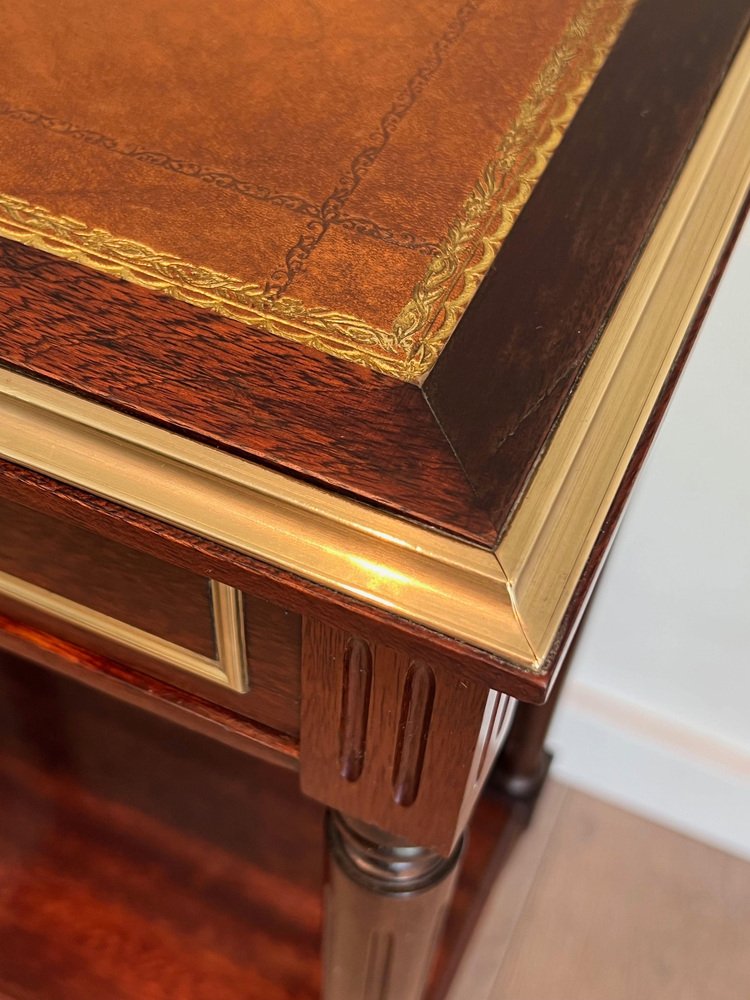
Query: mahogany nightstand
[333,338]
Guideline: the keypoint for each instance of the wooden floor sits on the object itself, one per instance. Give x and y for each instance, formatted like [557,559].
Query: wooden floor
[598,904]
[141,862]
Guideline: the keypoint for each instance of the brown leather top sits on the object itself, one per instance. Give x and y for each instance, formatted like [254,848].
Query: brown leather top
[339,173]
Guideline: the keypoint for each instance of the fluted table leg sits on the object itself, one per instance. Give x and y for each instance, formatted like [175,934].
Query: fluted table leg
[384,909]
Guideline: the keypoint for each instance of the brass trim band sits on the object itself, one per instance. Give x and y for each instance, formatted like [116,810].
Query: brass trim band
[375,557]
[510,602]
[564,508]
[229,634]
[228,669]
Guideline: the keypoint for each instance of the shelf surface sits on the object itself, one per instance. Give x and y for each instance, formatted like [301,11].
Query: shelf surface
[118,881]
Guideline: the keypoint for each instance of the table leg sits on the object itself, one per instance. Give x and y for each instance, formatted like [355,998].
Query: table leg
[385,903]
[522,766]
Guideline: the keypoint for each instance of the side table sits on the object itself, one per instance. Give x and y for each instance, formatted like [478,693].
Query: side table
[325,381]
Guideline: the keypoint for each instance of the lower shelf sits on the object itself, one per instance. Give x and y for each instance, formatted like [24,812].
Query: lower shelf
[139,861]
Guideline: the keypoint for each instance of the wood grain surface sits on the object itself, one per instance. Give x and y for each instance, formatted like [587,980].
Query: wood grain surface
[411,728]
[394,453]
[113,579]
[216,380]
[120,881]
[677,931]
[283,589]
[154,595]
[271,701]
[146,691]
[503,381]
[260,579]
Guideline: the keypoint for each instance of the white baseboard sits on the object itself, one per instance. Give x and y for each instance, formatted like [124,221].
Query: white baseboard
[651,765]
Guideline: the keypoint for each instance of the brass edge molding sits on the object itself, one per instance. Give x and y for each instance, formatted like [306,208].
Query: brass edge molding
[556,525]
[228,669]
[403,568]
[509,602]
[409,348]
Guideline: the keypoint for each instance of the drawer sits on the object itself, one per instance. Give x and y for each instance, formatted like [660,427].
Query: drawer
[199,634]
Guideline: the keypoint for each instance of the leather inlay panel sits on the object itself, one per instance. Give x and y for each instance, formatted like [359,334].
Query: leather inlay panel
[338,174]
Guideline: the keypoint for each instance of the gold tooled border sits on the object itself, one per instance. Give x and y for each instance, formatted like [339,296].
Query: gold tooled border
[425,324]
[422,328]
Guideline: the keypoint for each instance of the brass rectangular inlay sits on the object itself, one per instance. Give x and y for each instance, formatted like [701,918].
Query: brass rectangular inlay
[228,669]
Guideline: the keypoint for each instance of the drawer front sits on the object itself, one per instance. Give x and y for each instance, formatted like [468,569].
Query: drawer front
[122,598]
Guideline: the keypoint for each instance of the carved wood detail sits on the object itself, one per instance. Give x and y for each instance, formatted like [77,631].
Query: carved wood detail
[394,741]
[355,707]
[417,701]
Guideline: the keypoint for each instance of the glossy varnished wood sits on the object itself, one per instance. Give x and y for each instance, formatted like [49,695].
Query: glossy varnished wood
[272,698]
[169,854]
[145,690]
[257,578]
[141,861]
[120,881]
[398,742]
[113,579]
[220,381]
[693,75]
[337,610]
[502,382]
[160,598]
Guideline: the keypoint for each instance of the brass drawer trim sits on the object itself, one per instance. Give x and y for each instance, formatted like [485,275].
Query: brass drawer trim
[229,668]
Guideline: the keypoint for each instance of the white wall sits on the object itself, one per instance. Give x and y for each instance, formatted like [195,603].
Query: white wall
[656,715]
